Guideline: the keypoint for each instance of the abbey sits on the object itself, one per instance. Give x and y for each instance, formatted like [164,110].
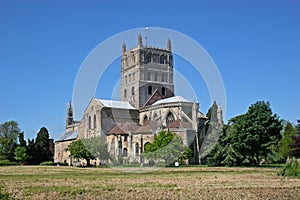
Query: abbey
[147,105]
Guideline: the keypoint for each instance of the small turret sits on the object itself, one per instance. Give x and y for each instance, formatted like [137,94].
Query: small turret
[69,117]
[169,47]
[123,47]
[140,41]
[220,115]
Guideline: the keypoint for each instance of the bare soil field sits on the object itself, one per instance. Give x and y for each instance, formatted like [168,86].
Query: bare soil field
[41,182]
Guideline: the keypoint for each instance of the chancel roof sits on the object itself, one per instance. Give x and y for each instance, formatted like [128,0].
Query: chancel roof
[72,135]
[116,104]
[171,100]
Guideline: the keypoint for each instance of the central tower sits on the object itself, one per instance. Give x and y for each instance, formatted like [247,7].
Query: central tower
[146,74]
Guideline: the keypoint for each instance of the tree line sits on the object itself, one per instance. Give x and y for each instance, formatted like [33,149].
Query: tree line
[14,148]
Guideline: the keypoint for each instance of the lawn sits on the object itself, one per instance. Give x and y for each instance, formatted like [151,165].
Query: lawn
[43,182]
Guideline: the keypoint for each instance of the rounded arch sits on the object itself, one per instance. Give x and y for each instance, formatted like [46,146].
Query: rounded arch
[170,118]
[146,119]
[147,143]
[163,91]
[125,152]
[137,149]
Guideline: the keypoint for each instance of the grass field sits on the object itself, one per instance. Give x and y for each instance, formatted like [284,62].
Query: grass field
[39,182]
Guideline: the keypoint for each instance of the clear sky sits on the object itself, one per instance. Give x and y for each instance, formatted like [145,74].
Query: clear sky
[255,44]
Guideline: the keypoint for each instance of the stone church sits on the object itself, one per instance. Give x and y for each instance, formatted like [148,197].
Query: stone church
[147,105]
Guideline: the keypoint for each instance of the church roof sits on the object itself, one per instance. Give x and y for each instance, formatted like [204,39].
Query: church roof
[180,124]
[116,104]
[123,128]
[72,135]
[171,100]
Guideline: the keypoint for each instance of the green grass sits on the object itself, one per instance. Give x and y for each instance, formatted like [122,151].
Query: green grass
[51,182]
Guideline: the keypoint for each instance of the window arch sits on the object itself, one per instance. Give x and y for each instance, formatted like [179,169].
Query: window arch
[125,152]
[137,149]
[162,59]
[155,76]
[90,122]
[146,120]
[170,118]
[147,143]
[132,90]
[125,93]
[150,89]
[163,91]
[95,122]
[149,55]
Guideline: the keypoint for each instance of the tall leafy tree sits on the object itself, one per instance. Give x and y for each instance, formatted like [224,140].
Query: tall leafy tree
[22,141]
[21,154]
[8,139]
[249,137]
[42,151]
[167,146]
[79,151]
[97,146]
[286,142]
[31,151]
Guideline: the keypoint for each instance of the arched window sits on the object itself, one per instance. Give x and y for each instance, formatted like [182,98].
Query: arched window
[146,120]
[95,122]
[125,79]
[125,152]
[163,91]
[90,122]
[149,57]
[170,118]
[150,89]
[125,93]
[162,59]
[133,76]
[132,90]
[137,149]
[129,78]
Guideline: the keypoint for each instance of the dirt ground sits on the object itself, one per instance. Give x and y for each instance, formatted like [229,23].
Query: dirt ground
[39,182]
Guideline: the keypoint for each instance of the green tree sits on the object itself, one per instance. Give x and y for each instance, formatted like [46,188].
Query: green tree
[168,147]
[248,138]
[8,139]
[97,146]
[79,151]
[22,141]
[21,154]
[42,151]
[31,151]
[285,143]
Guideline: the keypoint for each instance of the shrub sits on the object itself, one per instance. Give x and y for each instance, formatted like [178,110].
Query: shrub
[291,169]
[7,163]
[51,163]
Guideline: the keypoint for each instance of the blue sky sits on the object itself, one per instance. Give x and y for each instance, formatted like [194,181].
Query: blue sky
[255,44]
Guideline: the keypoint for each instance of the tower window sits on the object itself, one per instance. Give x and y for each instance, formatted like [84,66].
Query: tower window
[125,93]
[155,76]
[163,91]
[125,79]
[150,89]
[132,90]
[149,57]
[162,59]
[148,76]
[133,76]
[129,78]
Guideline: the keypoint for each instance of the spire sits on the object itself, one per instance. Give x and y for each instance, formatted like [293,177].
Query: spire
[220,115]
[140,42]
[169,47]
[69,117]
[123,47]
